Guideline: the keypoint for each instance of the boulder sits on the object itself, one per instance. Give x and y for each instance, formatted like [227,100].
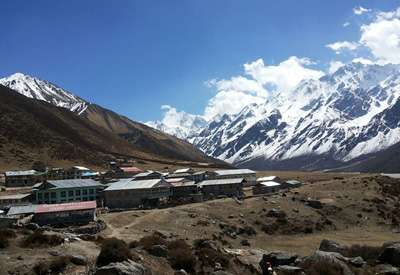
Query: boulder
[386,269]
[391,255]
[331,246]
[32,226]
[276,258]
[78,260]
[159,251]
[321,261]
[315,204]
[276,213]
[123,268]
[245,242]
[289,270]
[357,262]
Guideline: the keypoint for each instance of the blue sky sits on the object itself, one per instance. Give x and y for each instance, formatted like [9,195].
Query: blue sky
[135,56]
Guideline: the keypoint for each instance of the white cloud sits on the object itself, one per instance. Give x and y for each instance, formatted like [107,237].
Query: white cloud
[173,118]
[339,46]
[284,76]
[240,84]
[334,66]
[346,24]
[362,60]
[360,10]
[382,37]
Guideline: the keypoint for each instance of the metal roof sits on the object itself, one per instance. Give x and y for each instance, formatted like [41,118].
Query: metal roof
[234,172]
[221,181]
[21,173]
[147,173]
[22,209]
[63,207]
[270,183]
[183,170]
[270,178]
[131,169]
[89,173]
[14,196]
[82,168]
[74,183]
[183,183]
[171,180]
[293,182]
[127,184]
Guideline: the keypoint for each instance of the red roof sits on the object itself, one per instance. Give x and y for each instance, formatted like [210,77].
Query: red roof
[62,207]
[131,169]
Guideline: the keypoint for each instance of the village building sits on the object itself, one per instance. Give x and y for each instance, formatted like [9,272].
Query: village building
[90,175]
[127,172]
[62,191]
[222,187]
[196,176]
[22,210]
[148,175]
[55,174]
[182,188]
[76,172]
[293,183]
[65,213]
[131,193]
[7,201]
[22,178]
[270,178]
[266,187]
[247,174]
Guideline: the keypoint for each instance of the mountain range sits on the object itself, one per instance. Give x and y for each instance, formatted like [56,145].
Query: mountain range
[43,121]
[346,120]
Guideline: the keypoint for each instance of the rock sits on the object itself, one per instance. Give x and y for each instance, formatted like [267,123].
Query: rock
[180,272]
[276,213]
[20,258]
[123,268]
[289,270]
[314,204]
[54,253]
[78,260]
[331,246]
[32,226]
[386,269]
[159,251]
[321,261]
[357,262]
[245,243]
[391,255]
[276,258]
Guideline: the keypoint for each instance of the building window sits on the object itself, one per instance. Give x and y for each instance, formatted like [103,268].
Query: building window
[40,196]
[91,191]
[70,193]
[84,192]
[77,192]
[46,195]
[53,195]
[63,194]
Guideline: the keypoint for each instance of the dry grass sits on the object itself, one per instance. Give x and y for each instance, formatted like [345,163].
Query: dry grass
[113,250]
[39,239]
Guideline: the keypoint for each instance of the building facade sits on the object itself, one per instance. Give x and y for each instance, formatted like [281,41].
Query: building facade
[63,191]
[22,178]
[222,187]
[131,193]
[246,174]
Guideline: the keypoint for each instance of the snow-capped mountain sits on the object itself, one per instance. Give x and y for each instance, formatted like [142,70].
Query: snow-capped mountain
[179,124]
[42,90]
[322,123]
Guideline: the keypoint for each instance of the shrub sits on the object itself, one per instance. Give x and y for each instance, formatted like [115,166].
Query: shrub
[133,244]
[155,239]
[113,250]
[4,242]
[39,239]
[208,254]
[181,255]
[55,266]
[6,234]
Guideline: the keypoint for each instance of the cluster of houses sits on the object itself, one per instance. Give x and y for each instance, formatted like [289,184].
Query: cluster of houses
[73,195]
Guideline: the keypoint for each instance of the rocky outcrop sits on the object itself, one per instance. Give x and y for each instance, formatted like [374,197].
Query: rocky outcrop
[123,268]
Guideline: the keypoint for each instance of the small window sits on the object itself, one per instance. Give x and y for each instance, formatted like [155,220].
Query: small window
[84,192]
[91,191]
[71,193]
[46,195]
[77,192]
[40,196]
[63,194]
